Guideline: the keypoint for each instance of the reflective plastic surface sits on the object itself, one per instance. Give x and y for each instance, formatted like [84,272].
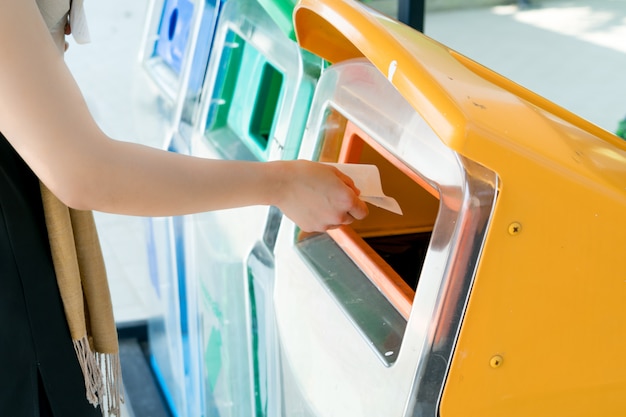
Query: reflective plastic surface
[167,330]
[253,106]
[175,50]
[263,339]
[322,338]
[258,87]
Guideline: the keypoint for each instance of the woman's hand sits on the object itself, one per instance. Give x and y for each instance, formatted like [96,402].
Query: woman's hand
[317,197]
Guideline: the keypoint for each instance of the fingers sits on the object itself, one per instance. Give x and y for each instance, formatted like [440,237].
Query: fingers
[319,197]
[352,208]
[343,219]
[359,211]
[347,180]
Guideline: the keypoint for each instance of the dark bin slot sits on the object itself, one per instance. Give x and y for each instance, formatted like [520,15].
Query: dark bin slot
[226,82]
[266,105]
[390,249]
[173,33]
[246,101]
[404,253]
[172,29]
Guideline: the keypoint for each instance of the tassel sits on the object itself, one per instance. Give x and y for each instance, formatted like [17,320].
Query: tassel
[111,366]
[91,370]
[103,378]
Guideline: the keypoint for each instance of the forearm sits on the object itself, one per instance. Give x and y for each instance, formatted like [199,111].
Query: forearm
[127,178]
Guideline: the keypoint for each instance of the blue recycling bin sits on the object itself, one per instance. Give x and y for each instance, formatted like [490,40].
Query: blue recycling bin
[184,46]
[177,41]
[176,50]
[173,33]
[171,353]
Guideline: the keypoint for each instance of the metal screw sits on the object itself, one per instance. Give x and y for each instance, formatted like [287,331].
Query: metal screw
[515,228]
[496,361]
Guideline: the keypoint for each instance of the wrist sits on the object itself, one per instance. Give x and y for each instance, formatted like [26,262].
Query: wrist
[279,174]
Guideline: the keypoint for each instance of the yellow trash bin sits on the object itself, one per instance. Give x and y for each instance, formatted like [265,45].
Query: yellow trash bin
[517,308]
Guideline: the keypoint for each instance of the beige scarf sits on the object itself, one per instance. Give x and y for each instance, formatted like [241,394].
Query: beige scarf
[83,285]
[78,261]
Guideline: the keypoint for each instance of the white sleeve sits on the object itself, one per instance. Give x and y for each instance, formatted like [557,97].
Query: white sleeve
[78,22]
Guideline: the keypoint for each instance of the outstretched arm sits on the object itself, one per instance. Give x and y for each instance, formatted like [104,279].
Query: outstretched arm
[44,116]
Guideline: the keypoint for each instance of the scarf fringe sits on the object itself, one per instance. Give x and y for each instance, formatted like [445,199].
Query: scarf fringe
[110,363]
[103,377]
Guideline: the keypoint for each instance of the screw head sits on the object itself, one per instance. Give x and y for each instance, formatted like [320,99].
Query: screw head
[515,228]
[496,361]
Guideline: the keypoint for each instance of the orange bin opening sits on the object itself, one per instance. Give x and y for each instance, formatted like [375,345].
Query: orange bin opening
[389,248]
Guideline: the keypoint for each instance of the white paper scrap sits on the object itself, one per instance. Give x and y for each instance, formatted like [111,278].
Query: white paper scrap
[367,179]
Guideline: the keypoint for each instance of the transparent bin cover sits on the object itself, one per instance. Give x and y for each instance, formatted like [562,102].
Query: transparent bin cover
[262,336]
[554,169]
[217,275]
[254,105]
[320,286]
[173,33]
[167,327]
[175,49]
[176,46]
[258,87]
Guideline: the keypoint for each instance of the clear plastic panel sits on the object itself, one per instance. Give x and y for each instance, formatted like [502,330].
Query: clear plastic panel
[173,34]
[258,87]
[217,244]
[165,328]
[166,250]
[264,358]
[407,378]
[175,50]
[253,106]
[216,271]
[176,46]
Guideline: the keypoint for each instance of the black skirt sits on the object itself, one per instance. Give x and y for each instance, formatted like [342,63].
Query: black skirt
[38,365]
